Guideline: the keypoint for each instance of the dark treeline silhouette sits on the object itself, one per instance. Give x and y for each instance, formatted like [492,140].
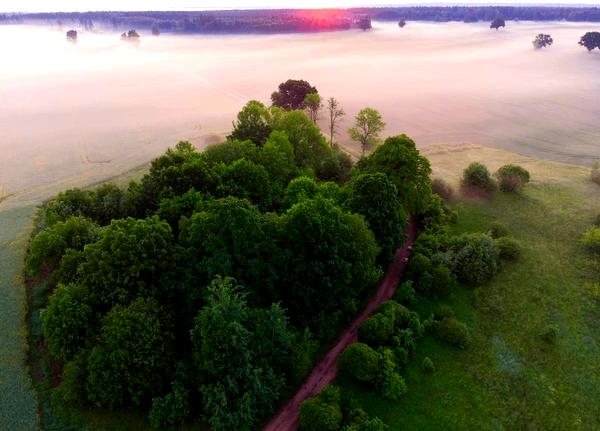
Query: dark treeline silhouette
[287,20]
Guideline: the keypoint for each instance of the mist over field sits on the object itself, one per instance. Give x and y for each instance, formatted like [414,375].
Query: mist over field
[100,106]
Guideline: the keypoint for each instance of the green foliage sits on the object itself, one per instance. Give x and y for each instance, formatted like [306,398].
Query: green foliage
[443,312]
[322,413]
[135,343]
[477,177]
[442,189]
[246,180]
[367,126]
[108,204]
[171,409]
[299,189]
[453,332]
[310,147]
[427,365]
[388,382]
[399,159]
[49,245]
[405,294]
[359,362]
[67,321]
[376,198]
[229,237]
[591,239]
[277,156]
[512,177]
[473,258]
[70,203]
[173,209]
[132,258]
[330,260]
[442,281]
[71,390]
[508,248]
[377,329]
[239,384]
[229,151]
[498,230]
[292,94]
[313,105]
[253,124]
[550,333]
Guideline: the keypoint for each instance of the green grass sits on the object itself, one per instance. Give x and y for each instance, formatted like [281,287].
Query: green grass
[510,378]
[18,405]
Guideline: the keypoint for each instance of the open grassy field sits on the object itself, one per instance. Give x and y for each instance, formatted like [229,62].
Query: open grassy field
[18,405]
[510,378]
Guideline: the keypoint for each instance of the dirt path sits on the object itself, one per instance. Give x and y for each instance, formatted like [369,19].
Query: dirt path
[326,370]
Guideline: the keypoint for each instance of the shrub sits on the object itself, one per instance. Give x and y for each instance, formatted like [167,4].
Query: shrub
[418,265]
[389,383]
[427,365]
[477,177]
[72,386]
[498,230]
[595,173]
[550,333]
[591,239]
[405,294]
[442,188]
[442,281]
[473,258]
[360,362]
[172,409]
[508,248]
[453,332]
[444,312]
[377,329]
[322,413]
[512,177]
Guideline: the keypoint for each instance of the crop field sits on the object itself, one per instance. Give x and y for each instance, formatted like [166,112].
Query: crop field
[510,377]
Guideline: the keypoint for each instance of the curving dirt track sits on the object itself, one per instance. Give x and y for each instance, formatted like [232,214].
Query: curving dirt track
[326,370]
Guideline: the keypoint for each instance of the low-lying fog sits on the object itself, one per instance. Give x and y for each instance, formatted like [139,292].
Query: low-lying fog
[101,106]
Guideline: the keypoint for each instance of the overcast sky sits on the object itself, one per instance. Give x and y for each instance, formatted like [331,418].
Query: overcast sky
[87,5]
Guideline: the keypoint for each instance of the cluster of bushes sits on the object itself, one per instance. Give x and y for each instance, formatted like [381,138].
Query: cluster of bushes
[330,410]
[449,329]
[478,179]
[387,340]
[218,273]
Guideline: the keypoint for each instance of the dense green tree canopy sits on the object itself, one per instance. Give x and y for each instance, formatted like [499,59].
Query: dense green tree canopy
[399,159]
[253,124]
[590,40]
[292,93]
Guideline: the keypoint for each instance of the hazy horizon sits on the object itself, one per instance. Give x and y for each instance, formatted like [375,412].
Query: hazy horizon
[184,5]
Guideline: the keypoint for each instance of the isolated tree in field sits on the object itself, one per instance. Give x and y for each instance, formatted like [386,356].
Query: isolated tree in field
[72,36]
[542,41]
[253,123]
[291,94]
[497,23]
[590,40]
[368,125]
[313,106]
[401,23]
[365,23]
[335,114]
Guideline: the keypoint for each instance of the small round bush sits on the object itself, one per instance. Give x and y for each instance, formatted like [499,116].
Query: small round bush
[360,362]
[473,258]
[512,177]
[427,365]
[317,415]
[392,386]
[478,177]
[498,230]
[442,189]
[172,409]
[508,248]
[453,332]
[591,239]
[443,312]
[418,265]
[442,281]
[550,333]
[405,294]
[377,329]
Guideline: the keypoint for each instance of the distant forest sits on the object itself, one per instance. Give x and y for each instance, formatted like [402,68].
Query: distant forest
[293,20]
